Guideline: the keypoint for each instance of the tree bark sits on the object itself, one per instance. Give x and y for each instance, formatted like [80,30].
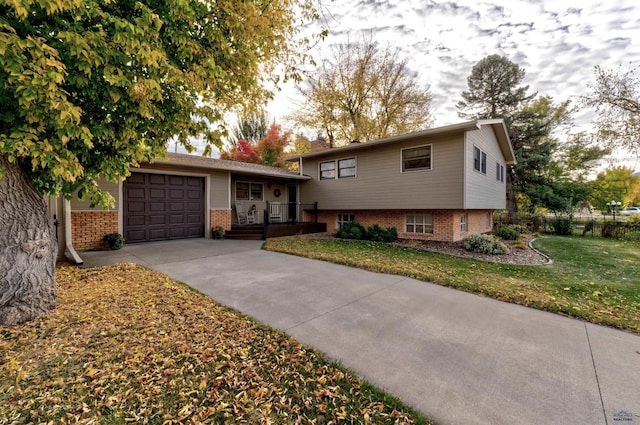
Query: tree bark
[28,249]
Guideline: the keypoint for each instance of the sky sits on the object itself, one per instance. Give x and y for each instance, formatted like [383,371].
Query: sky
[558,43]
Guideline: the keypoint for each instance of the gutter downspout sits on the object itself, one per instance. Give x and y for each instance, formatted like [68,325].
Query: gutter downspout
[67,233]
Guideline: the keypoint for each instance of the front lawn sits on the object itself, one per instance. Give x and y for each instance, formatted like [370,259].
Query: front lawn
[593,279]
[129,345]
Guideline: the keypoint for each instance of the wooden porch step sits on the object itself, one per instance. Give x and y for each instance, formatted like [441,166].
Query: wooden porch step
[245,232]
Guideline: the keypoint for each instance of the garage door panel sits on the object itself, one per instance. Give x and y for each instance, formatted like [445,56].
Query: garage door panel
[176,180]
[135,236]
[157,206]
[135,220]
[157,219]
[193,219]
[156,193]
[176,233]
[136,178]
[176,207]
[176,219]
[176,194]
[158,234]
[159,179]
[162,206]
[135,193]
[135,207]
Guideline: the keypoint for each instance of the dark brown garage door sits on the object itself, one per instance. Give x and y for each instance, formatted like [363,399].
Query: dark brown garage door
[161,206]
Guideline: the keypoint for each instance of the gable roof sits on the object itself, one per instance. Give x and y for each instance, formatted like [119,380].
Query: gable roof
[499,129]
[197,161]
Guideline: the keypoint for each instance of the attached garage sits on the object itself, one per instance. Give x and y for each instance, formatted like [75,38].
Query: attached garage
[163,206]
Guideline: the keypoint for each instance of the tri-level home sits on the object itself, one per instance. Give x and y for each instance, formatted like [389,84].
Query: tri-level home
[441,184]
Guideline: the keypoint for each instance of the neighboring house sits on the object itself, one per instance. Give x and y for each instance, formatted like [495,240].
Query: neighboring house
[438,184]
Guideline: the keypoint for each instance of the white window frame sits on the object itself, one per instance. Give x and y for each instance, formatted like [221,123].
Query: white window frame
[414,170]
[479,160]
[463,223]
[344,218]
[420,224]
[250,192]
[499,172]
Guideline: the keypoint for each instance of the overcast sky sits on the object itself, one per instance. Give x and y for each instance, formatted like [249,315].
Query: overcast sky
[558,43]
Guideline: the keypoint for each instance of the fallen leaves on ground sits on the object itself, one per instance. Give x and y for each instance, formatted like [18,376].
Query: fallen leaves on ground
[129,345]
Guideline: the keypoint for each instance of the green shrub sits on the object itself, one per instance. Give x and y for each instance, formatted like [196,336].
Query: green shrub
[562,226]
[612,230]
[378,234]
[217,232]
[485,244]
[507,232]
[114,240]
[351,230]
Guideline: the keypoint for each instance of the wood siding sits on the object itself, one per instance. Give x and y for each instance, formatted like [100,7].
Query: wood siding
[483,191]
[380,184]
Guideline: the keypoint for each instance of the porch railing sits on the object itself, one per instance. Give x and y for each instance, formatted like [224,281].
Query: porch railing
[290,212]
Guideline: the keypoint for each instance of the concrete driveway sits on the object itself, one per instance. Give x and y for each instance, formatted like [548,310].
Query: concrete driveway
[456,357]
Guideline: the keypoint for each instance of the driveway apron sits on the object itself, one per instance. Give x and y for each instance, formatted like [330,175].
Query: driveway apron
[456,357]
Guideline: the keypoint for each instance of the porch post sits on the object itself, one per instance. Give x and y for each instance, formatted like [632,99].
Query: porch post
[315,211]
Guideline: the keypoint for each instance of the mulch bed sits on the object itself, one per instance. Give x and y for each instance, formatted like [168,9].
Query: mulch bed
[516,255]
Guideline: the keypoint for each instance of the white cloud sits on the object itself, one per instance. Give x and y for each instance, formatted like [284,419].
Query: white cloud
[558,43]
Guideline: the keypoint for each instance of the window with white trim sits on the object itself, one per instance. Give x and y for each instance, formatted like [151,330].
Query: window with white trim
[418,223]
[416,159]
[246,191]
[499,172]
[479,160]
[463,223]
[343,219]
[346,168]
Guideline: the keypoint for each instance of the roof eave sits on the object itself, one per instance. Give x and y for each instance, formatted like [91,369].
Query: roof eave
[232,169]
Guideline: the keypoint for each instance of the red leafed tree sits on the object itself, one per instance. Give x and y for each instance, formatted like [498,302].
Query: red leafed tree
[271,147]
[243,151]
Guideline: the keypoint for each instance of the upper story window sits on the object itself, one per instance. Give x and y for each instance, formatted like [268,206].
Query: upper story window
[499,172]
[416,159]
[479,160]
[246,191]
[345,168]
[327,170]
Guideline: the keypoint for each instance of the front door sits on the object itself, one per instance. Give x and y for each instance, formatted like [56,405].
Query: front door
[292,197]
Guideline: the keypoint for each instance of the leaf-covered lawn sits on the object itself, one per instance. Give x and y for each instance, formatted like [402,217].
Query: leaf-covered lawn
[594,279]
[129,345]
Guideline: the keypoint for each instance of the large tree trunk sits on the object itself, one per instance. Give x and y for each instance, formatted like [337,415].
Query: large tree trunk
[28,249]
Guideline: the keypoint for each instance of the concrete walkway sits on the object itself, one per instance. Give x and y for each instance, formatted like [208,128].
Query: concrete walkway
[456,357]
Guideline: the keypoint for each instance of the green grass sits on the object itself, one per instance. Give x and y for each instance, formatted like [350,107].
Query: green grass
[597,280]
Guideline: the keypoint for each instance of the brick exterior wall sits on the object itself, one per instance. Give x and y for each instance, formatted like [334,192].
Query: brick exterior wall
[446,223]
[88,228]
[220,218]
